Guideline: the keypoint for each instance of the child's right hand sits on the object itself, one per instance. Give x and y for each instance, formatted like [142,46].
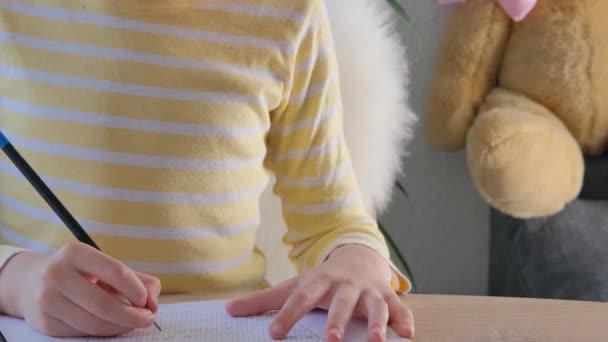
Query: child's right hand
[59,295]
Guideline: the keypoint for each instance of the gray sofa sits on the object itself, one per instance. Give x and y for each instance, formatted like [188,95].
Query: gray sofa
[564,256]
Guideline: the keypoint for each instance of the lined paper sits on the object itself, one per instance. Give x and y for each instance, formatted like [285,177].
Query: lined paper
[203,321]
[194,326]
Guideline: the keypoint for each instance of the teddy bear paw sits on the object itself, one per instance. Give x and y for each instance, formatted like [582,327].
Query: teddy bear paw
[523,164]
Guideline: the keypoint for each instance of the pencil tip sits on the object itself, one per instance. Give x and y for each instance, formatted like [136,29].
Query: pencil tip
[157,326]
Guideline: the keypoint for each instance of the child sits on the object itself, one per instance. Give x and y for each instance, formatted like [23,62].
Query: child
[155,122]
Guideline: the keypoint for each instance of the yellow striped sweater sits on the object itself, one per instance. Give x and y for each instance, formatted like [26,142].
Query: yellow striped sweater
[157,122]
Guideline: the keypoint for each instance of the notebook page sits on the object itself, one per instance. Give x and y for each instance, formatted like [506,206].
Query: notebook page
[195,326]
[208,321]
[202,321]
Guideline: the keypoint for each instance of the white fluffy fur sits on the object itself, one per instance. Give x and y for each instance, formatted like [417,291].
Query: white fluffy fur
[377,120]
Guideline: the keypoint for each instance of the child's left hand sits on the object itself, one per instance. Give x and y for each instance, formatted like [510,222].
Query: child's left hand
[353,280]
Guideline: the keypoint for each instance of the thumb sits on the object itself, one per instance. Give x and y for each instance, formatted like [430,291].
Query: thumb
[153,286]
[262,301]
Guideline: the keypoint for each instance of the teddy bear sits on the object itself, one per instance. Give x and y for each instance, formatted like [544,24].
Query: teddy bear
[523,86]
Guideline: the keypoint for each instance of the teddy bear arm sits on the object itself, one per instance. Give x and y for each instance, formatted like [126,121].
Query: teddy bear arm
[466,70]
[522,158]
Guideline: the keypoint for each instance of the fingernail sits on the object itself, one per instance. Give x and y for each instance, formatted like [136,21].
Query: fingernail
[277,331]
[337,333]
[381,334]
[404,327]
[407,330]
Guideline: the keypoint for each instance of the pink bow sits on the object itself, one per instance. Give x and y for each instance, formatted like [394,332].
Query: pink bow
[516,9]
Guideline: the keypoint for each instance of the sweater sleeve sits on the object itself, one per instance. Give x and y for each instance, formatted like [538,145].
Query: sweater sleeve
[7,252]
[321,202]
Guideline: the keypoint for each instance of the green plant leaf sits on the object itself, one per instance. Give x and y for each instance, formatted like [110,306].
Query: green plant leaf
[397,6]
[398,254]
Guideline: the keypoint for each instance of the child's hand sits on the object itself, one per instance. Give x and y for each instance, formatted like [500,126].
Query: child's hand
[354,280]
[78,291]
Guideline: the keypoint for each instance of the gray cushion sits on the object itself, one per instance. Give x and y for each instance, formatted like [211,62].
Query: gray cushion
[564,256]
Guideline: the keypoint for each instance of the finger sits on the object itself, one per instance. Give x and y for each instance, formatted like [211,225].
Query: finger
[377,317]
[153,287]
[301,301]
[92,262]
[261,301]
[100,303]
[81,320]
[109,289]
[54,327]
[401,317]
[340,312]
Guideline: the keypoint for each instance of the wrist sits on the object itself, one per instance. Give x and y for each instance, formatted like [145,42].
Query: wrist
[365,255]
[13,281]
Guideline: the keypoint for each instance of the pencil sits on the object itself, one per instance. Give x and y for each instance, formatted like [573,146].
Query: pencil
[48,196]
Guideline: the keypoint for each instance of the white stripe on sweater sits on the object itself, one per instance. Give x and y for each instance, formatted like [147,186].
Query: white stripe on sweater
[322,208]
[114,121]
[140,26]
[260,10]
[132,56]
[308,123]
[200,267]
[304,154]
[131,231]
[139,196]
[132,159]
[314,90]
[329,179]
[130,89]
[25,242]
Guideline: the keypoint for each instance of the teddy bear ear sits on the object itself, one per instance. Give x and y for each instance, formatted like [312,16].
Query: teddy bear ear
[518,9]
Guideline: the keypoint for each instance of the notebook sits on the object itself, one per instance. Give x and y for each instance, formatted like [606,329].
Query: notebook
[203,321]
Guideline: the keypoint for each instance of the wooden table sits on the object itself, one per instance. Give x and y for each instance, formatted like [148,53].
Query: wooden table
[488,319]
